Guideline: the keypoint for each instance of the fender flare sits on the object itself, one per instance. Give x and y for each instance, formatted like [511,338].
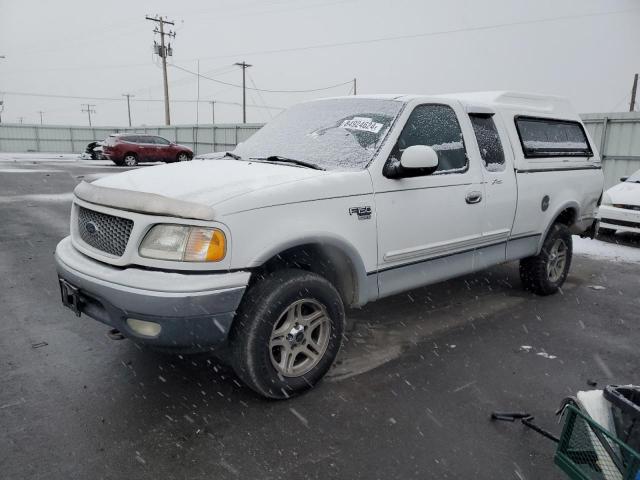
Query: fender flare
[564,206]
[363,294]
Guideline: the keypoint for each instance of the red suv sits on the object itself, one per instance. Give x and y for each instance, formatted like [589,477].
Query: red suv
[128,149]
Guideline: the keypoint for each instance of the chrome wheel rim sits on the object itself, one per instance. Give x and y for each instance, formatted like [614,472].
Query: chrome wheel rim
[130,160]
[182,157]
[557,260]
[299,338]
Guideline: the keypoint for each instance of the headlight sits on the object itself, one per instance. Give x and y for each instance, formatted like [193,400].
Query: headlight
[184,243]
[606,199]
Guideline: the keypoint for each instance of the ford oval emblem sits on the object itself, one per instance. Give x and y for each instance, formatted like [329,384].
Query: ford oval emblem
[91,228]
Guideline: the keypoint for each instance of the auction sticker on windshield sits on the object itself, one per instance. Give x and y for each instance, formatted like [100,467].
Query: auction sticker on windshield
[361,123]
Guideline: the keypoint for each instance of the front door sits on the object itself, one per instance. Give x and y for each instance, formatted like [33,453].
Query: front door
[429,222]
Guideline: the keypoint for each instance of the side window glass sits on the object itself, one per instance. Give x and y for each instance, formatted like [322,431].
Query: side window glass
[161,141]
[145,139]
[544,138]
[488,142]
[435,126]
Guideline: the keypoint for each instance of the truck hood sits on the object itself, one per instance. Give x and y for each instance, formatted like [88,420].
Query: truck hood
[211,189]
[626,193]
[207,182]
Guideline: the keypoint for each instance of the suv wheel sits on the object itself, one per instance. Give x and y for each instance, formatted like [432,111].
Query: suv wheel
[546,272]
[287,333]
[130,160]
[183,157]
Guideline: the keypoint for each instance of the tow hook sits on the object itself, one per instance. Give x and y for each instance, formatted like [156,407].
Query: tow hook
[115,334]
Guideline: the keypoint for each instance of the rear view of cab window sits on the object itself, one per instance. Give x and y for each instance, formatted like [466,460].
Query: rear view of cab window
[488,142]
[542,137]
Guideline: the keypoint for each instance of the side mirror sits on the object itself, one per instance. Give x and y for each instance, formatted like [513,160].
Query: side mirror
[624,179]
[419,156]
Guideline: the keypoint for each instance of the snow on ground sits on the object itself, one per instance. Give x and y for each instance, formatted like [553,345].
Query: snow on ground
[26,157]
[605,250]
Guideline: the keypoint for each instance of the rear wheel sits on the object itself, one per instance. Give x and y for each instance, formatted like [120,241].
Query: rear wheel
[130,160]
[546,272]
[183,157]
[287,333]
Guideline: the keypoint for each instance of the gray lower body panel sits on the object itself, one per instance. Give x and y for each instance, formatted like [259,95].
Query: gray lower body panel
[194,321]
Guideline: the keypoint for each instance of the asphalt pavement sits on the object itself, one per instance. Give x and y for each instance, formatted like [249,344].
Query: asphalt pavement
[410,395]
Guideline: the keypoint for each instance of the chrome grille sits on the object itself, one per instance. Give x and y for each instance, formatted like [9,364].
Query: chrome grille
[104,232]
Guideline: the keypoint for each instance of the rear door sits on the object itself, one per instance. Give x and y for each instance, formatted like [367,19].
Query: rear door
[500,182]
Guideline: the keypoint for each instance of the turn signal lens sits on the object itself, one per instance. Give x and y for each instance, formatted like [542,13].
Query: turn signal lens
[205,245]
[184,243]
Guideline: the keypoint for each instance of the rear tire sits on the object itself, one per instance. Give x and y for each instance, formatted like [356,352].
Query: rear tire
[546,272]
[130,160]
[287,333]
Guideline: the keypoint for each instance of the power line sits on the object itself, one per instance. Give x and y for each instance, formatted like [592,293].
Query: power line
[261,89]
[259,94]
[118,99]
[423,34]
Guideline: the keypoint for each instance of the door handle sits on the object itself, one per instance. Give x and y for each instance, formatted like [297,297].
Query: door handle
[473,197]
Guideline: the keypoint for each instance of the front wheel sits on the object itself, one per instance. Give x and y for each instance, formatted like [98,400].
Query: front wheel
[546,272]
[287,333]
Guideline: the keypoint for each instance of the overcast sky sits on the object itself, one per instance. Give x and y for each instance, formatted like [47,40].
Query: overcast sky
[586,50]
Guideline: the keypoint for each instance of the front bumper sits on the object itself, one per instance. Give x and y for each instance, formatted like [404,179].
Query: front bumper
[194,310]
[622,219]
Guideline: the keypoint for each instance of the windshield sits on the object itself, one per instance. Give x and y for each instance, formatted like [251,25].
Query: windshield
[333,134]
[635,177]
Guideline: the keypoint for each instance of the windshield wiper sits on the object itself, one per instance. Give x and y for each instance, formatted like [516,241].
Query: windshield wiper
[278,158]
[232,155]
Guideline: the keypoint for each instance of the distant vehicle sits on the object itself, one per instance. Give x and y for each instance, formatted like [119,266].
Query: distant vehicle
[125,149]
[94,151]
[333,204]
[620,209]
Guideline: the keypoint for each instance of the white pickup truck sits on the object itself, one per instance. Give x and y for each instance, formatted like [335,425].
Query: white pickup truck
[335,203]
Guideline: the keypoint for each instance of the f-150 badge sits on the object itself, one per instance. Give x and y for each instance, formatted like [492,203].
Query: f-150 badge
[363,213]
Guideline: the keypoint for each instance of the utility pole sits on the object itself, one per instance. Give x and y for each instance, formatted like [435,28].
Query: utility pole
[355,86]
[244,89]
[21,120]
[89,110]
[634,90]
[128,95]
[164,50]
[213,112]
[41,113]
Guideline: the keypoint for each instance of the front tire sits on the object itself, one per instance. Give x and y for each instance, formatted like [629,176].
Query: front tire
[287,333]
[546,272]
[183,157]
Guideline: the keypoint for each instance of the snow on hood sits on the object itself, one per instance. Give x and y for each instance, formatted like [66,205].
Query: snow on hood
[208,182]
[626,193]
